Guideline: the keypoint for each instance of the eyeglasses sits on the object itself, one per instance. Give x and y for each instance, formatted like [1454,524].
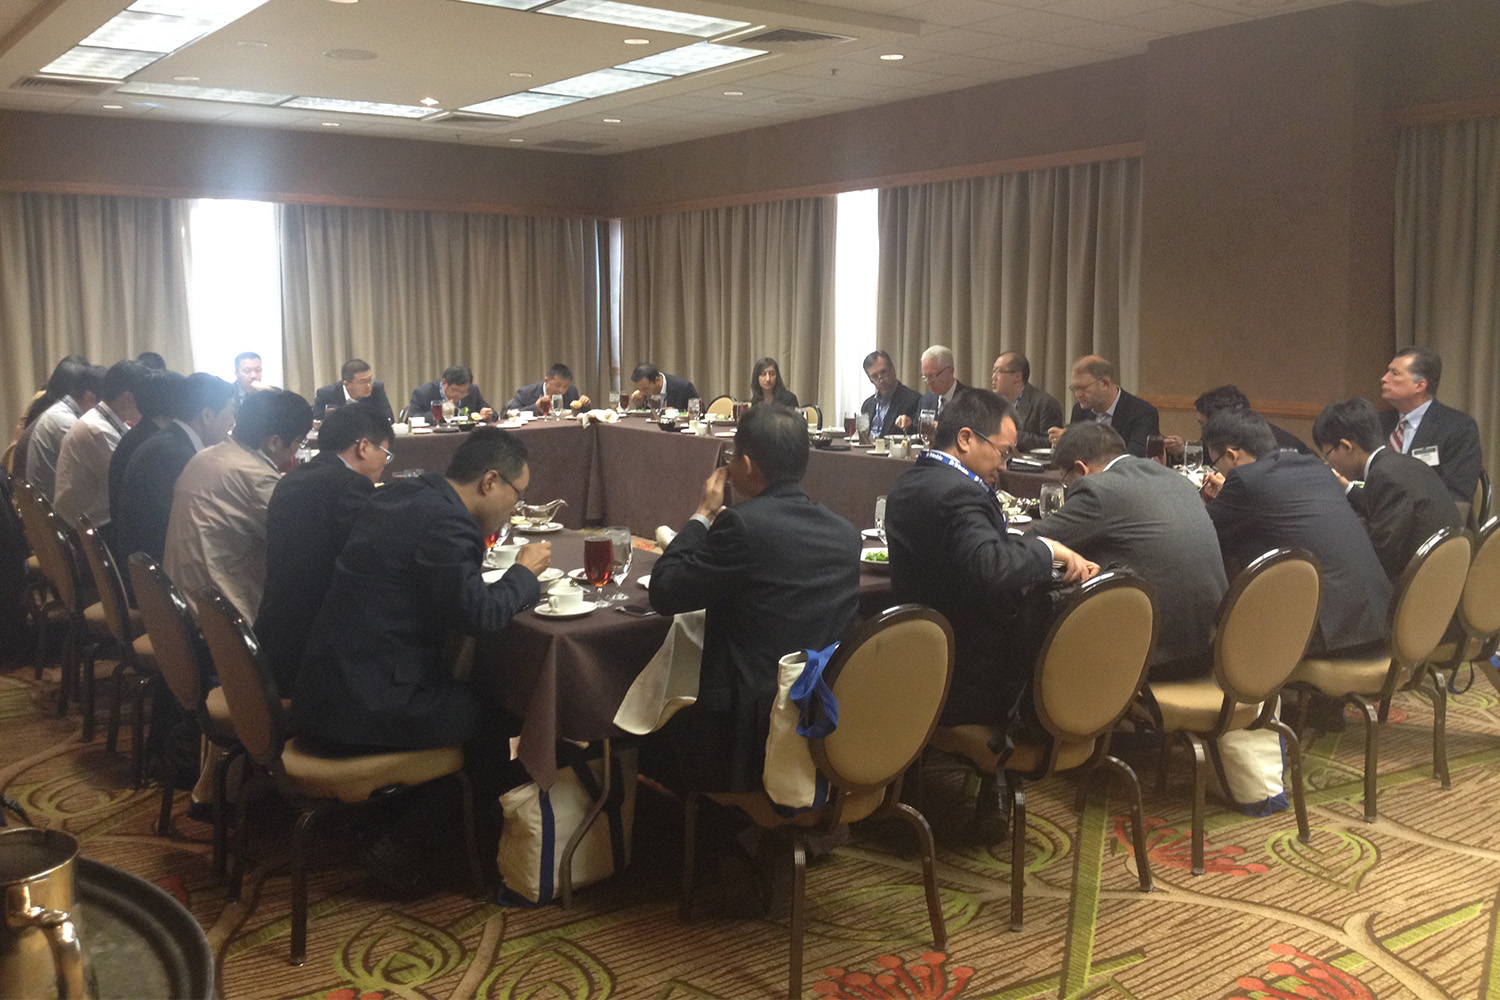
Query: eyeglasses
[880,375]
[1080,389]
[1004,450]
[389,457]
[1003,371]
[519,492]
[929,378]
[1213,463]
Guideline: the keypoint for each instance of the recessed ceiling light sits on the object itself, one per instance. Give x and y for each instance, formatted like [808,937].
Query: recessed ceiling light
[357,107]
[431,102]
[203,93]
[691,59]
[100,64]
[510,4]
[600,83]
[517,140]
[340,1]
[610,121]
[651,18]
[335,124]
[252,45]
[114,107]
[893,57]
[519,105]
[637,41]
[734,93]
[520,76]
[186,79]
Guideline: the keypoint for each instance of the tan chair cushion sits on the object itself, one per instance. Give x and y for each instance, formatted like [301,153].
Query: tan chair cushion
[1194,705]
[145,655]
[354,779]
[1340,677]
[1030,756]
[1446,650]
[762,811]
[33,567]
[93,617]
[218,715]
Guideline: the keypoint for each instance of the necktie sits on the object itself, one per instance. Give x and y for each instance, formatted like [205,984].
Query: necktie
[1398,436]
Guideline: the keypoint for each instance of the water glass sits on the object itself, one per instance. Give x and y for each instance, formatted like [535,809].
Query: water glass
[695,408]
[1156,448]
[927,426]
[654,404]
[1051,498]
[1192,454]
[558,410]
[619,537]
[880,518]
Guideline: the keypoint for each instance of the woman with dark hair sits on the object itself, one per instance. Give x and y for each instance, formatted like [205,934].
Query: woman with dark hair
[57,387]
[766,385]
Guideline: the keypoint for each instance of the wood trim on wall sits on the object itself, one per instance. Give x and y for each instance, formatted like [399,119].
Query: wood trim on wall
[1265,407]
[1447,111]
[1014,165]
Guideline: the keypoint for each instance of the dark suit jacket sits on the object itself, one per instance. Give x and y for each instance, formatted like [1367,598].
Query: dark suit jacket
[777,573]
[130,441]
[930,399]
[373,673]
[333,395]
[1456,436]
[145,504]
[1035,412]
[905,401]
[1287,441]
[1134,419]
[1289,499]
[1404,503]
[677,391]
[526,396]
[424,395]
[1146,517]
[307,523]
[950,551]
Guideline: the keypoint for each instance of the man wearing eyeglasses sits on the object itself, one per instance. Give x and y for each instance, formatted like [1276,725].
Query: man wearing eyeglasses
[1101,400]
[894,406]
[937,375]
[356,382]
[307,523]
[1035,410]
[950,549]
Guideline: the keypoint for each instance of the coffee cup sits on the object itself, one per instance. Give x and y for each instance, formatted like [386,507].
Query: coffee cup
[565,597]
[882,446]
[503,556]
[400,430]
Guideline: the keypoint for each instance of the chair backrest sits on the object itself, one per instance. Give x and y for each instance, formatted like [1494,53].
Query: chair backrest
[1479,512]
[106,581]
[814,414]
[1479,610]
[50,544]
[890,676]
[175,642]
[1094,658]
[721,405]
[1265,622]
[259,721]
[1427,595]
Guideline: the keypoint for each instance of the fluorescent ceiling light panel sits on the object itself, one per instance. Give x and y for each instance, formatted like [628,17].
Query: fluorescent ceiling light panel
[650,18]
[203,93]
[601,82]
[520,105]
[100,64]
[510,4]
[143,32]
[359,107]
[691,59]
[221,12]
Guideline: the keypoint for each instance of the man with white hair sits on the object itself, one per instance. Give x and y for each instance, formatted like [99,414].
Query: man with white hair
[938,376]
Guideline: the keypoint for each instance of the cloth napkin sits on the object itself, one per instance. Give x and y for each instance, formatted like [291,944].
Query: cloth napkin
[670,681]
[605,416]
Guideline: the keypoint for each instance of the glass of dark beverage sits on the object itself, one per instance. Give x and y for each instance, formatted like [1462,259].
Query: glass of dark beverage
[598,561]
[654,404]
[437,412]
[849,419]
[543,405]
[927,426]
[1156,448]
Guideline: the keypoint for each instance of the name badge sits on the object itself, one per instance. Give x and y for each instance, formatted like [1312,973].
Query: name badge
[1427,455]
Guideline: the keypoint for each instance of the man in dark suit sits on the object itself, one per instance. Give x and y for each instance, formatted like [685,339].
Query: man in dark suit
[650,381]
[155,398]
[1223,397]
[1263,498]
[894,406]
[559,382]
[356,381]
[372,674]
[776,573]
[950,550]
[203,415]
[307,523]
[1437,435]
[1035,410]
[456,387]
[1133,512]
[938,375]
[1100,399]
[1402,501]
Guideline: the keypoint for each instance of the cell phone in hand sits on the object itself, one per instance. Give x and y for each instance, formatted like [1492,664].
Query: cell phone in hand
[637,610]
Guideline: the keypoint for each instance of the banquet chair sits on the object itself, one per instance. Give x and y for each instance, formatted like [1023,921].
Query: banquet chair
[1478,612]
[890,676]
[1261,633]
[182,661]
[120,632]
[1480,509]
[58,559]
[722,406]
[1087,674]
[36,593]
[1426,596]
[814,414]
[315,785]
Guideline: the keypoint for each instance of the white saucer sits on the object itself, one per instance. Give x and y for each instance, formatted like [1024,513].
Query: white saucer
[871,533]
[545,610]
[545,529]
[1019,518]
[549,574]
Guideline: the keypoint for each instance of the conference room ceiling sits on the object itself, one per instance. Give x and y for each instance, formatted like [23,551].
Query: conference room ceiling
[456,54]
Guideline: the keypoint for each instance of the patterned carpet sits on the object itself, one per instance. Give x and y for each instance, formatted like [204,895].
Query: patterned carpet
[1406,907]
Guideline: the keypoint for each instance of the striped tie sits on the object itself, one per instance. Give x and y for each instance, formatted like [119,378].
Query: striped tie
[1398,436]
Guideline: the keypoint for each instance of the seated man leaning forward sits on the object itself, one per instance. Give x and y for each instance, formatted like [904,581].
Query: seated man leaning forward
[373,675]
[559,382]
[951,550]
[650,380]
[456,387]
[1133,512]
[777,573]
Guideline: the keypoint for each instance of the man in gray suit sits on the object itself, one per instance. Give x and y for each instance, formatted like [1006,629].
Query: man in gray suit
[1035,410]
[1132,512]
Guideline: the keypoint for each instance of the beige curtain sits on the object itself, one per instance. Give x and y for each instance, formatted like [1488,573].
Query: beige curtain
[707,293]
[1046,262]
[104,277]
[1448,261]
[414,292]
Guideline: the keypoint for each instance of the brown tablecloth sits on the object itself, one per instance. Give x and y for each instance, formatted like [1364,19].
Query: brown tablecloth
[651,477]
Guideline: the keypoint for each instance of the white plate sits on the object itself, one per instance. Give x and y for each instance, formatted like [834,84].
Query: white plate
[871,533]
[545,610]
[549,574]
[1040,452]
[644,581]
[545,529]
[1019,518]
[865,560]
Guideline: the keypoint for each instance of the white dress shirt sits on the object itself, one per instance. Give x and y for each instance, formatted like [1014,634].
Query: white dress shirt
[83,466]
[46,443]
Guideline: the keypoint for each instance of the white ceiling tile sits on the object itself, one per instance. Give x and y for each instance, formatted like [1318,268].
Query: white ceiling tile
[953,40]
[1033,50]
[1182,19]
[1105,10]
[952,12]
[1029,24]
[1105,37]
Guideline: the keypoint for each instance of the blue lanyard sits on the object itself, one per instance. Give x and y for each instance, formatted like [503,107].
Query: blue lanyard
[949,460]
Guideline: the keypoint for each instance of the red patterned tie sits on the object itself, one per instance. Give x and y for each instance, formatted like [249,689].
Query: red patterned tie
[1398,436]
